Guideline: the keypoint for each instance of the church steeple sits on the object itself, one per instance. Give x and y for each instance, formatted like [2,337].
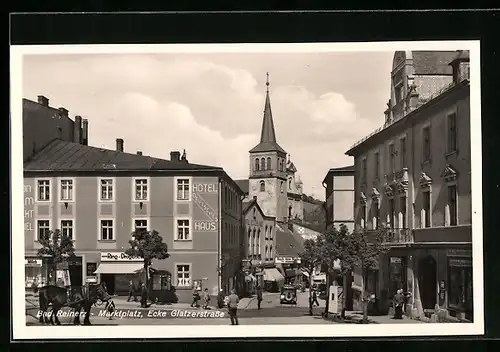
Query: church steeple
[267,135]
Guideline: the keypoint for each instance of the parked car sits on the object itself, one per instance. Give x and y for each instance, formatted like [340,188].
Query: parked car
[288,295]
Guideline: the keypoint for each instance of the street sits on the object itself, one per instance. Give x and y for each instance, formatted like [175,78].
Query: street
[271,312]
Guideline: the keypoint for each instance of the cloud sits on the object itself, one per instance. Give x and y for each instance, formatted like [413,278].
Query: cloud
[213,110]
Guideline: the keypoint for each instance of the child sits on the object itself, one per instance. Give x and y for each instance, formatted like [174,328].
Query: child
[110,308]
[206,298]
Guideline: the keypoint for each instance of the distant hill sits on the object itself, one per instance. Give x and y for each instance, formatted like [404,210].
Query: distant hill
[314,213]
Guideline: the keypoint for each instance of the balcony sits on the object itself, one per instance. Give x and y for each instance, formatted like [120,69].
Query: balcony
[448,234]
[392,236]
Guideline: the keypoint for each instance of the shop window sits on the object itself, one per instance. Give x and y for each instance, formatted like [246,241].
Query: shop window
[460,283]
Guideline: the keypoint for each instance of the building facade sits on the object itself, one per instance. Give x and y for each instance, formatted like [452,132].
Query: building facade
[99,197]
[339,195]
[412,177]
[295,194]
[43,123]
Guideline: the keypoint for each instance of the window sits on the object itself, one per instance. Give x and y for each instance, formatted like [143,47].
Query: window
[107,230]
[267,254]
[452,133]
[376,218]
[391,213]
[426,135]
[282,187]
[43,227]
[183,230]
[106,189]
[452,204]
[377,165]
[67,228]
[258,242]
[271,252]
[263,164]
[403,212]
[290,211]
[254,213]
[66,189]
[363,166]
[141,189]
[427,209]
[254,252]
[391,157]
[290,183]
[249,242]
[183,189]
[44,190]
[363,216]
[271,233]
[269,163]
[262,186]
[398,92]
[183,275]
[257,164]
[402,141]
[141,225]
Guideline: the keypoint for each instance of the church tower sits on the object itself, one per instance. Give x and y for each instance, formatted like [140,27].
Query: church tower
[267,179]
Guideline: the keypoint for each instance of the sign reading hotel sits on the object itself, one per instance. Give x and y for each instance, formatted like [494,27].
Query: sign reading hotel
[209,225]
[117,257]
[29,204]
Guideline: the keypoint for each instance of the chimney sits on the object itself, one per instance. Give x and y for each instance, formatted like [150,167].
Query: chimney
[184,156]
[77,129]
[85,132]
[175,156]
[119,145]
[63,112]
[43,100]
[139,152]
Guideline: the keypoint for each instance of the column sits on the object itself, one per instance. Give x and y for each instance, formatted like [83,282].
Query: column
[411,311]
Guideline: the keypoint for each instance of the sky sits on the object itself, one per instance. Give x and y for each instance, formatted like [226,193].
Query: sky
[211,104]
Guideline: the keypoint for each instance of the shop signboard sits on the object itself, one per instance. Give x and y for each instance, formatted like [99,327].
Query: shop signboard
[459,253]
[117,257]
[33,262]
[286,260]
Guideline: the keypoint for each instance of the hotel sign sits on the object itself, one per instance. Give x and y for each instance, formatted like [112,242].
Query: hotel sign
[117,257]
[210,225]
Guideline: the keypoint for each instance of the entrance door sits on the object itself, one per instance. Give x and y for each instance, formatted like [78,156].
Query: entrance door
[75,274]
[109,279]
[428,282]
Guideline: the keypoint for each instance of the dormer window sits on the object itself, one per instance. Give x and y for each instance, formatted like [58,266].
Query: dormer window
[262,185]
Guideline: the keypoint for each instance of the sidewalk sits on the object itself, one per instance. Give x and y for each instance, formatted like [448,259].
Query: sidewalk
[251,302]
[353,317]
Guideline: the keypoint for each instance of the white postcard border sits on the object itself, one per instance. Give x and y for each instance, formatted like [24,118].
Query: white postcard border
[21,331]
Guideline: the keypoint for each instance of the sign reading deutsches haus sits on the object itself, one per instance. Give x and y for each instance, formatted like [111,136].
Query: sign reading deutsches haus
[209,225]
[117,257]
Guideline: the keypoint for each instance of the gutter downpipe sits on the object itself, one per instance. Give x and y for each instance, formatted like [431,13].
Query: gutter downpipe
[219,239]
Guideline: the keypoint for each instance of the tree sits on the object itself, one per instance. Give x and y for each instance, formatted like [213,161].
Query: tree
[360,250]
[310,259]
[147,245]
[57,246]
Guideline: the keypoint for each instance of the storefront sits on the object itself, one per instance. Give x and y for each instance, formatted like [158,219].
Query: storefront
[460,295]
[36,269]
[397,274]
[116,269]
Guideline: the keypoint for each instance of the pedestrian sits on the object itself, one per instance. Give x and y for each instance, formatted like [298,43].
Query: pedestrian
[196,298]
[144,296]
[206,299]
[220,299]
[233,301]
[110,308]
[131,292]
[315,298]
[398,304]
[259,295]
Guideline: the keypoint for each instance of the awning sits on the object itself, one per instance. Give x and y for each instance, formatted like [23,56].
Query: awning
[292,272]
[118,268]
[272,274]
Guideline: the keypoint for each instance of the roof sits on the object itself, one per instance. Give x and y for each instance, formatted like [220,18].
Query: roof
[61,155]
[288,243]
[267,134]
[243,185]
[247,205]
[341,170]
[433,62]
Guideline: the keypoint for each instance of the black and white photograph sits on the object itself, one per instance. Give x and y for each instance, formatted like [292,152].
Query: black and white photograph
[246,190]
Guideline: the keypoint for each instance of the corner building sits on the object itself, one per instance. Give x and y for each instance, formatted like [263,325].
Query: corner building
[99,197]
[413,176]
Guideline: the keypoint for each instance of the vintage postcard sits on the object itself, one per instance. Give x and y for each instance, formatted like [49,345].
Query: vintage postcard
[265,190]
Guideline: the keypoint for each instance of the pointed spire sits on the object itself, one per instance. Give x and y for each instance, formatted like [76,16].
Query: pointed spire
[267,135]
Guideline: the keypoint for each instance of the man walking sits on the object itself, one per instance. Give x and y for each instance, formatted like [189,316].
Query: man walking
[206,299]
[398,304]
[315,298]
[131,292]
[259,295]
[233,301]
